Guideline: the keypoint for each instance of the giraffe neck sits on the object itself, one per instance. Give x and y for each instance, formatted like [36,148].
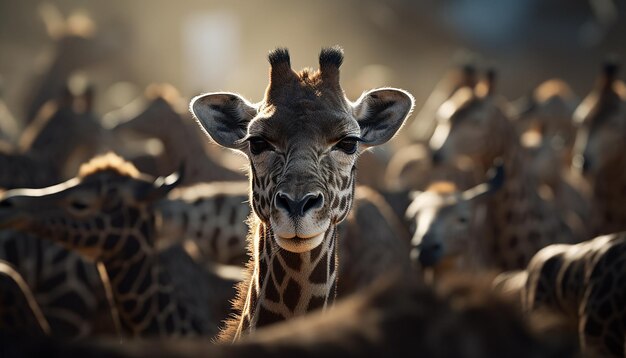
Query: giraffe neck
[143,290]
[286,284]
[521,221]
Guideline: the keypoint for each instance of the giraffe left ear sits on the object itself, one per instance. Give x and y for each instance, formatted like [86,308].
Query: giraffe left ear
[224,117]
[381,113]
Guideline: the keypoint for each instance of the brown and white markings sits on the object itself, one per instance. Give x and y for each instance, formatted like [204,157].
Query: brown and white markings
[105,214]
[66,286]
[599,150]
[212,216]
[302,141]
[473,127]
[586,283]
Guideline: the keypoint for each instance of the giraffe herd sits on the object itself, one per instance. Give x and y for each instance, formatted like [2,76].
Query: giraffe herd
[290,254]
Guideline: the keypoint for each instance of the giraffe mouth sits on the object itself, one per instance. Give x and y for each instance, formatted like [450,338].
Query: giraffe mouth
[299,244]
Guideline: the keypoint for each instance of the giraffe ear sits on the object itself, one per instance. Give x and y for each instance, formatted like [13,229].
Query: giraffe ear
[224,117]
[381,113]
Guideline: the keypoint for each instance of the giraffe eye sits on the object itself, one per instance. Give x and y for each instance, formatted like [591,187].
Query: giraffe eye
[348,145]
[259,145]
[78,205]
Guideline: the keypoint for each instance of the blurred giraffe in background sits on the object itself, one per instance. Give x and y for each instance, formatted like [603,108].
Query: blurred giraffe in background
[473,128]
[585,284]
[599,150]
[105,215]
[19,311]
[158,115]
[66,132]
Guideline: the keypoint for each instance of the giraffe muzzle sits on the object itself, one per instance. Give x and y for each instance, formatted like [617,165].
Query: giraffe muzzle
[297,223]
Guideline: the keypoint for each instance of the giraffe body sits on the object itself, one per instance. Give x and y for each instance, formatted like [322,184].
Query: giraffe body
[586,283]
[105,214]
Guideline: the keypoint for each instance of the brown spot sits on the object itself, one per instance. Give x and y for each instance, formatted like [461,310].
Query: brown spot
[271,293]
[315,303]
[319,273]
[266,317]
[293,261]
[291,296]
[278,271]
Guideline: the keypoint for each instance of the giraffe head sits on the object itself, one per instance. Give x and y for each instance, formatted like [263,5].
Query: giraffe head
[91,213]
[471,128]
[443,220]
[601,120]
[302,141]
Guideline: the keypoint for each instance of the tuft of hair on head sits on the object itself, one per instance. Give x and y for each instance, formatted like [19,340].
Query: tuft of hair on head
[331,56]
[279,56]
[108,162]
[442,187]
[280,68]
[330,60]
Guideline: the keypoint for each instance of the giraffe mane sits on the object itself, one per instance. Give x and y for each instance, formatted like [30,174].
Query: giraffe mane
[108,162]
[231,324]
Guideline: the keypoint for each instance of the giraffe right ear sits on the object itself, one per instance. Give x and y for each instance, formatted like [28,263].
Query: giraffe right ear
[224,117]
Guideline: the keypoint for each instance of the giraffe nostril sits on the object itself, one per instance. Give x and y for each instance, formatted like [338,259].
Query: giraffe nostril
[283,202]
[311,201]
[301,206]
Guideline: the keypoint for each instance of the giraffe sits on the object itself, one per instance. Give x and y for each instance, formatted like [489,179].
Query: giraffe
[18,308]
[105,215]
[412,167]
[393,317]
[521,219]
[158,116]
[68,288]
[302,141]
[66,132]
[586,284]
[449,226]
[598,152]
[543,121]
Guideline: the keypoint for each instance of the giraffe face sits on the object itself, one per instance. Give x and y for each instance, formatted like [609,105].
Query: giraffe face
[468,127]
[441,228]
[444,221]
[89,214]
[302,142]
